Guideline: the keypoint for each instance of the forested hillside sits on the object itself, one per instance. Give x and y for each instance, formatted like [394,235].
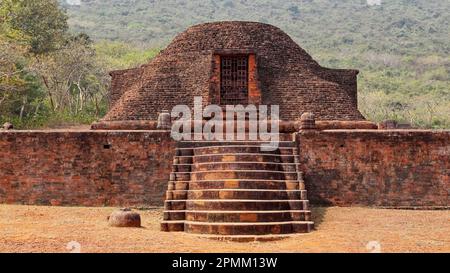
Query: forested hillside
[401,47]
[394,26]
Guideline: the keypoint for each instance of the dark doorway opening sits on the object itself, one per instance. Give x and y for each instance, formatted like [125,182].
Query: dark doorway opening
[233,80]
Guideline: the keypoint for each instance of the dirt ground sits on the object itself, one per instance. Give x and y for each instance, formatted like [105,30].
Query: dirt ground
[55,229]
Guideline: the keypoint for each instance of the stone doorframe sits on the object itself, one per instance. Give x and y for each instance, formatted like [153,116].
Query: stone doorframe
[254,90]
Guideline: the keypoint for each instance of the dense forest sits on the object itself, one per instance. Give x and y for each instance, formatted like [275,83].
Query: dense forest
[55,58]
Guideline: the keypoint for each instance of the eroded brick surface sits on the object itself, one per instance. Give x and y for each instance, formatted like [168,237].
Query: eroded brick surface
[383,168]
[90,168]
[344,167]
[280,73]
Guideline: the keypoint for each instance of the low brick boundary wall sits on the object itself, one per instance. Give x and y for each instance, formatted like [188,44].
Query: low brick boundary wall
[396,168]
[85,168]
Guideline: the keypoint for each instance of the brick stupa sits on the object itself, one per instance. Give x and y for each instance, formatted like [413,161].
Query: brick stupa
[278,72]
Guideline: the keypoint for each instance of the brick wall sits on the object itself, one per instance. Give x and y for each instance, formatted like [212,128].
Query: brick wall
[168,81]
[120,168]
[90,168]
[376,167]
[122,80]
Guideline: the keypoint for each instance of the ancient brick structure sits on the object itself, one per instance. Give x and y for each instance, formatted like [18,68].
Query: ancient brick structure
[131,168]
[84,168]
[328,154]
[396,168]
[279,72]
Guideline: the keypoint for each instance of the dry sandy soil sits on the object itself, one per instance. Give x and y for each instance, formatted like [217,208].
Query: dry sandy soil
[50,229]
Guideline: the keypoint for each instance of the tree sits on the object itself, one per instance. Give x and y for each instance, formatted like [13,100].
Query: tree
[72,75]
[11,83]
[44,70]
[42,22]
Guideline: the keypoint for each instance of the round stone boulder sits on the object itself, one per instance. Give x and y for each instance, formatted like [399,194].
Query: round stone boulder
[124,218]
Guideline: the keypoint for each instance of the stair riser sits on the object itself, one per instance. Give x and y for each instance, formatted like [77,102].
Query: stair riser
[182,168]
[172,227]
[184,152]
[202,137]
[245,238]
[237,217]
[286,142]
[181,176]
[242,158]
[239,166]
[183,160]
[231,174]
[241,175]
[205,185]
[235,205]
[238,149]
[234,166]
[258,195]
[248,230]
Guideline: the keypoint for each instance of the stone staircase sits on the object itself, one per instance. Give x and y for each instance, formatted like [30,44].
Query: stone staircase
[235,190]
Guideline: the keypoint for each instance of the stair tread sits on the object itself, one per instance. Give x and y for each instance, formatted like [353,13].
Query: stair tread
[250,171]
[238,179]
[238,154]
[236,162]
[249,237]
[238,211]
[236,200]
[233,141]
[232,146]
[243,190]
[236,223]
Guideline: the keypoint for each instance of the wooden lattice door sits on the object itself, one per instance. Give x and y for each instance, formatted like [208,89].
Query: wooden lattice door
[234,80]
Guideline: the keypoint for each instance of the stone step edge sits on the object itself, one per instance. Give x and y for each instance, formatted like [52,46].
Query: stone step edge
[236,162]
[236,154]
[235,223]
[235,200]
[232,146]
[246,238]
[231,171]
[238,211]
[238,190]
[237,179]
[232,141]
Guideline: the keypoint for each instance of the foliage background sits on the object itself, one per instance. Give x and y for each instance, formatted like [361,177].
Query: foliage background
[401,47]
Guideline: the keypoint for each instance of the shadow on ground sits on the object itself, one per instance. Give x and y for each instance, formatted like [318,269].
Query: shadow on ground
[318,214]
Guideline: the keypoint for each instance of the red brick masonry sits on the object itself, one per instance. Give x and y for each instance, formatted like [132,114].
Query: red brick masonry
[88,168]
[280,73]
[377,167]
[119,168]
